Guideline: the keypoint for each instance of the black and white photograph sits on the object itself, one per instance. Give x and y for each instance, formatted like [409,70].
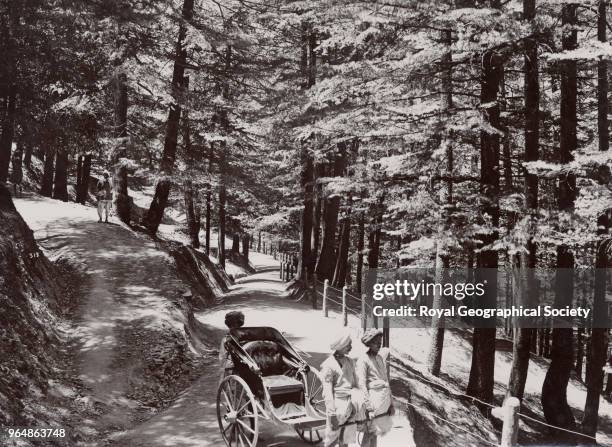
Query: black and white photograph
[334,223]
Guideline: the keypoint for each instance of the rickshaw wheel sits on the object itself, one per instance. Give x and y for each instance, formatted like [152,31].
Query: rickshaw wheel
[237,413]
[314,391]
[310,435]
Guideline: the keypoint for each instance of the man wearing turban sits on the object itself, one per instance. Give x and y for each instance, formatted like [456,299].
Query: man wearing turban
[373,379]
[343,399]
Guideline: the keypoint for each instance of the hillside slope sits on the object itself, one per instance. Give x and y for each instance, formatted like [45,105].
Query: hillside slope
[136,341]
[30,339]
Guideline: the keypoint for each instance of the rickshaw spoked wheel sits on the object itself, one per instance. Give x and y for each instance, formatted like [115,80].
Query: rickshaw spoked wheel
[313,394]
[237,413]
[314,391]
[310,435]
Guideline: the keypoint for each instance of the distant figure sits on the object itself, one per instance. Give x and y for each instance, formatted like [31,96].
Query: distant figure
[17,172]
[105,196]
[233,320]
[373,379]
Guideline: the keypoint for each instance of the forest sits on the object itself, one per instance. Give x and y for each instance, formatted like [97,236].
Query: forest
[343,136]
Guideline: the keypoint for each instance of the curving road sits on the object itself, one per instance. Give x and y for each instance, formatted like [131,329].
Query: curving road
[192,421]
[127,281]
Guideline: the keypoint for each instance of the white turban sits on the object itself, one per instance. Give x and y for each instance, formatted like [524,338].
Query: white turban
[342,341]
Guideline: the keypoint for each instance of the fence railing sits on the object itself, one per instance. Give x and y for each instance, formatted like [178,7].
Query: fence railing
[348,304]
[509,413]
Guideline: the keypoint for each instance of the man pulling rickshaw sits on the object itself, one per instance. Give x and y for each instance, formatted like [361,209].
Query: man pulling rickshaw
[265,378]
[343,398]
[357,394]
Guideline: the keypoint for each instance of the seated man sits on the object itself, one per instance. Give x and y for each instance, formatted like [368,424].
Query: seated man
[233,320]
[267,355]
[343,399]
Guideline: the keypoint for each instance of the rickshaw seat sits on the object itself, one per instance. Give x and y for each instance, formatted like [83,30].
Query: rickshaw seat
[267,355]
[279,384]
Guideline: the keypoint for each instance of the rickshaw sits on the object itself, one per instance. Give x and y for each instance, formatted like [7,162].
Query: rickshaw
[269,381]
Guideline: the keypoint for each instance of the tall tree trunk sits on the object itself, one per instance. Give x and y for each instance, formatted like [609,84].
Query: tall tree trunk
[236,243]
[304,56]
[599,334]
[434,360]
[340,270]
[190,191]
[79,178]
[27,156]
[306,236]
[10,37]
[602,82]
[7,133]
[527,295]
[554,390]
[154,215]
[326,262]
[308,66]
[312,58]
[374,234]
[120,181]
[246,241]
[360,247]
[224,124]
[316,216]
[60,181]
[8,85]
[481,380]
[208,219]
[579,352]
[85,172]
[46,184]
[222,199]
[193,218]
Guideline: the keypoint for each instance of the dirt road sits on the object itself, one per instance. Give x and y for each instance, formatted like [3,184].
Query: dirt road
[192,420]
[128,282]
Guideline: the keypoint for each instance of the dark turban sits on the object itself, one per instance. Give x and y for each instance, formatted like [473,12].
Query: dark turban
[234,318]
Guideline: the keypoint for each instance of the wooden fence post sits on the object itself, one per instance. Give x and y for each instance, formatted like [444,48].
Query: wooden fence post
[385,329]
[281,266]
[287,267]
[344,312]
[511,422]
[285,260]
[314,290]
[325,286]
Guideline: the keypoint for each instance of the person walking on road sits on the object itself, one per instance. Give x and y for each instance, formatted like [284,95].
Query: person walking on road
[104,193]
